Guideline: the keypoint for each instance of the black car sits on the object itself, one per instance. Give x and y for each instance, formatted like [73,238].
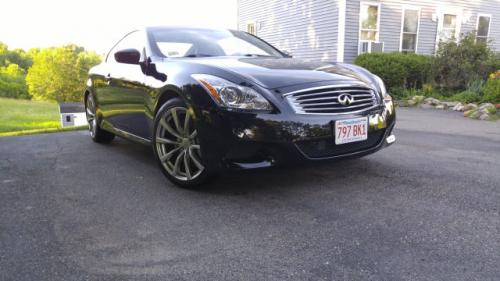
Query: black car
[210,99]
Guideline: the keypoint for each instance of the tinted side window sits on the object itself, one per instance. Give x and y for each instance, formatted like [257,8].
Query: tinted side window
[133,40]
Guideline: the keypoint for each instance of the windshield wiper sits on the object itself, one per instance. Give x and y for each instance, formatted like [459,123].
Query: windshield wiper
[198,55]
[257,55]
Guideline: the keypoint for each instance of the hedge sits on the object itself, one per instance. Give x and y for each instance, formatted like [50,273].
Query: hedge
[398,70]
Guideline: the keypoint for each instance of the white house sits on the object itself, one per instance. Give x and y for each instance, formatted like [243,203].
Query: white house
[340,30]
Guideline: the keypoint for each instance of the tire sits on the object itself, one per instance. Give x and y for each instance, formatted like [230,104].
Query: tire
[176,145]
[96,133]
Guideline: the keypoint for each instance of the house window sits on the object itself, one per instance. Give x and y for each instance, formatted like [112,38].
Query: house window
[369,18]
[483,28]
[251,28]
[448,27]
[409,30]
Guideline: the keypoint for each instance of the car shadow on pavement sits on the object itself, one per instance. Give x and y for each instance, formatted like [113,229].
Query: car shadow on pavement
[243,182]
[291,177]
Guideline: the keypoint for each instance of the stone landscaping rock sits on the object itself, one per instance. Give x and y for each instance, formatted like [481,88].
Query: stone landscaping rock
[483,111]
[415,100]
[425,106]
[470,106]
[475,114]
[418,99]
[487,108]
[487,117]
[450,104]
[468,112]
[432,101]
[458,107]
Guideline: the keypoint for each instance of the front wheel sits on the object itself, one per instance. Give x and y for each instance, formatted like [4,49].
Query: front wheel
[176,145]
[96,133]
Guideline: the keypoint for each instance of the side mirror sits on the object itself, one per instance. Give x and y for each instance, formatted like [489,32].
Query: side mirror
[129,56]
[287,54]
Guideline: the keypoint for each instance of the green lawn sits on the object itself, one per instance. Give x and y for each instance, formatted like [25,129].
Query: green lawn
[18,117]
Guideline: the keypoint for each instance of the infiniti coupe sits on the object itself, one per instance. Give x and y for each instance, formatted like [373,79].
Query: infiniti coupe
[211,99]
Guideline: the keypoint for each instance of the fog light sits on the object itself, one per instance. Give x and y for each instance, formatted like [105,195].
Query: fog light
[390,139]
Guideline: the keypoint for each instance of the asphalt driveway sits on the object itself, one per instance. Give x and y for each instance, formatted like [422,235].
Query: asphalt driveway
[427,208]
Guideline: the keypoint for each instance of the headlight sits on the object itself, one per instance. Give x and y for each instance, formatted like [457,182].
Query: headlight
[230,95]
[383,90]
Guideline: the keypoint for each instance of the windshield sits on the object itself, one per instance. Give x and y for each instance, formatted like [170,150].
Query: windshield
[208,43]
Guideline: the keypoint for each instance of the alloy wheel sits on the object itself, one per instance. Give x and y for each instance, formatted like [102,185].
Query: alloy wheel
[177,144]
[91,115]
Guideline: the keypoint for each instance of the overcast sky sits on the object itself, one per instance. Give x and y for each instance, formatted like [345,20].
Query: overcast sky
[97,24]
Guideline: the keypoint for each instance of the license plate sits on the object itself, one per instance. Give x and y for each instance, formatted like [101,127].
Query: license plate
[351,130]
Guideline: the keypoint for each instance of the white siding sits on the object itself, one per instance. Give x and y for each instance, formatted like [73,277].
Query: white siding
[391,15]
[307,29]
[351,30]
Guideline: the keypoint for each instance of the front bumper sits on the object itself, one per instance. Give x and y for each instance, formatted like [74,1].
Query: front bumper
[256,140]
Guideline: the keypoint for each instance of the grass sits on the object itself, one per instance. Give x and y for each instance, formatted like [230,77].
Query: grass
[21,117]
[42,131]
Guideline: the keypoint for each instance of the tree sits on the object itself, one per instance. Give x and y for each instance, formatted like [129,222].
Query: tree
[16,56]
[4,51]
[13,67]
[60,73]
[13,83]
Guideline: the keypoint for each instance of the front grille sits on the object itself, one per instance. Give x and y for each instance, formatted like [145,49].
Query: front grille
[325,100]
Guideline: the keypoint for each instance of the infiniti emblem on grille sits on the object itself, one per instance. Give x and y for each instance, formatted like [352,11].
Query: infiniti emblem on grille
[345,99]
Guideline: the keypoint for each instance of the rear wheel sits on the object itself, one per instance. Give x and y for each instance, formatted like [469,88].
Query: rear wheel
[176,145]
[96,133]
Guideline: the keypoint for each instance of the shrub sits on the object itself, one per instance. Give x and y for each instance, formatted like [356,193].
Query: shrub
[466,97]
[399,93]
[472,93]
[418,69]
[492,88]
[404,94]
[457,64]
[491,65]
[399,71]
[428,89]
[476,86]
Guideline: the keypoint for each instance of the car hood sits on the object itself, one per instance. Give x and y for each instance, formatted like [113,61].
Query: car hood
[283,72]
